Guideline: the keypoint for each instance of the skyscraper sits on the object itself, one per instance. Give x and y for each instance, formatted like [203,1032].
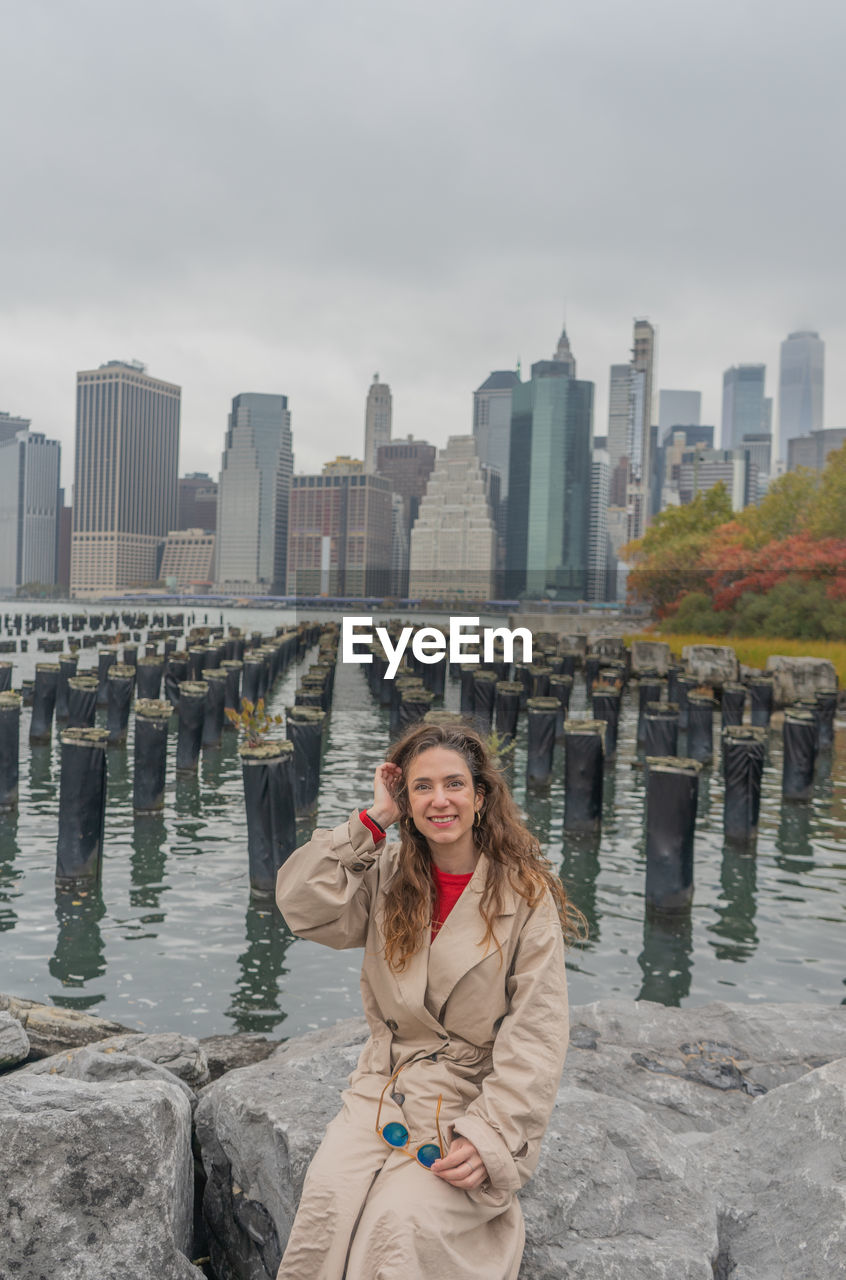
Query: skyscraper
[492,422]
[598,548]
[340,534]
[125,473]
[407,465]
[563,354]
[197,503]
[744,403]
[800,387]
[677,409]
[550,474]
[619,394]
[453,542]
[639,498]
[11,425]
[253,496]
[813,450]
[377,421]
[29,509]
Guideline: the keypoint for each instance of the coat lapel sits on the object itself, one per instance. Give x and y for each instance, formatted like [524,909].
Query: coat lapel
[457,948]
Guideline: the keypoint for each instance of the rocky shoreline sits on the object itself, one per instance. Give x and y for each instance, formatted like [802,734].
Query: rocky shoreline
[685,1144]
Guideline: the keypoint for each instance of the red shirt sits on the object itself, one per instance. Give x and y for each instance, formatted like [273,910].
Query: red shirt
[448,889]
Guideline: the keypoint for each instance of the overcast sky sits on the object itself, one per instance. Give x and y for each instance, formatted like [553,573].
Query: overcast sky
[289,195]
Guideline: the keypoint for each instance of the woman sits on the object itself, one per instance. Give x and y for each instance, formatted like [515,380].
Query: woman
[464,989]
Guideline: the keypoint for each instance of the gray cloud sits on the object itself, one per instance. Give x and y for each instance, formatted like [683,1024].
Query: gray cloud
[289,196]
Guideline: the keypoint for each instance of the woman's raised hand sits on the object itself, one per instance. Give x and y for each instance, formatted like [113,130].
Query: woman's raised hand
[384,809]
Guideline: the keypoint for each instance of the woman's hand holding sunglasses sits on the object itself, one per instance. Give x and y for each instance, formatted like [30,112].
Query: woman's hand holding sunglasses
[462,1166]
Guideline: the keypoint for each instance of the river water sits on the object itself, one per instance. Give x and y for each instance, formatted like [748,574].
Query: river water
[171,941]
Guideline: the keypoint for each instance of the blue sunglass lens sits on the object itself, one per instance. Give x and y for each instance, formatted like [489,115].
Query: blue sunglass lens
[395,1134]
[428,1154]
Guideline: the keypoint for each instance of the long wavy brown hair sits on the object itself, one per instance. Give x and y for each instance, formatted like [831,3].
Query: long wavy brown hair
[514,855]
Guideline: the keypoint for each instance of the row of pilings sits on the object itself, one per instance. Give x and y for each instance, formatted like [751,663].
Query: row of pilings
[214,683]
[728,716]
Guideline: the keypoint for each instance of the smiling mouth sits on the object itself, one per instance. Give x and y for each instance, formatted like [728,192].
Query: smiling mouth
[443,822]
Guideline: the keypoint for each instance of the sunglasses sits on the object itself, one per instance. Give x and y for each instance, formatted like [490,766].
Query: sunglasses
[397,1136]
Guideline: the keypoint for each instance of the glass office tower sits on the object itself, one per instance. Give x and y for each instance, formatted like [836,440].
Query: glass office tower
[547,543]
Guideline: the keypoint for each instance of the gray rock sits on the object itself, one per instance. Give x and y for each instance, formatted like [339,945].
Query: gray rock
[800,678]
[650,655]
[258,1129]
[698,1068]
[14,1042]
[98,1065]
[615,1198]
[711,664]
[228,1053]
[630,1183]
[780,1179]
[179,1055]
[51,1029]
[97,1179]
[607,646]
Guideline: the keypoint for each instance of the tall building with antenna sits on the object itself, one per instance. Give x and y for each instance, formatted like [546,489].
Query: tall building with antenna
[377,421]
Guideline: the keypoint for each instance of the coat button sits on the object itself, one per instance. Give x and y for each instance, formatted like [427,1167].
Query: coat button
[359,866]
[391,1025]
[398,1098]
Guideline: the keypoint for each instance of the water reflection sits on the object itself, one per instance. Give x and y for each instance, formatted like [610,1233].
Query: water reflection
[9,851]
[539,813]
[41,782]
[609,800]
[255,1001]
[735,926]
[794,854]
[147,864]
[703,797]
[666,960]
[579,872]
[80,953]
[187,798]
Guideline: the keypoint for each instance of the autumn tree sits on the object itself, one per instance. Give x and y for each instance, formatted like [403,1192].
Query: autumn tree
[667,559]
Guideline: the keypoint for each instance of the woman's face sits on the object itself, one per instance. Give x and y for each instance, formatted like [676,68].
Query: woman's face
[443,803]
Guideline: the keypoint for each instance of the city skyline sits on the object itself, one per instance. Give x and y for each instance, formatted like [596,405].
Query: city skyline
[145,244]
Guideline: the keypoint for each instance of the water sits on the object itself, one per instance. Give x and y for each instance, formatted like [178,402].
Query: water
[171,941]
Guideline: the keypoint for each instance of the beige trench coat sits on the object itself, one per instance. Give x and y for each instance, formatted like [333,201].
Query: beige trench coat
[486,1031]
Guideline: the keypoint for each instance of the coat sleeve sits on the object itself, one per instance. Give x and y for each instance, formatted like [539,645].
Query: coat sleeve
[509,1118]
[324,890]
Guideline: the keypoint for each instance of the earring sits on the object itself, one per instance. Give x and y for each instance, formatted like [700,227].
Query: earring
[477,818]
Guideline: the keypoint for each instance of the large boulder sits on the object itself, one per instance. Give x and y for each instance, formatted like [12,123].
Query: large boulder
[626,1188]
[614,1197]
[795,678]
[226,1053]
[98,1066]
[608,647]
[97,1180]
[258,1129]
[179,1055]
[711,664]
[698,1068]
[51,1029]
[14,1042]
[650,655]
[779,1177]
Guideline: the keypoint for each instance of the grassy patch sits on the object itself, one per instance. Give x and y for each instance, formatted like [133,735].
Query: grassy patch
[753,651]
